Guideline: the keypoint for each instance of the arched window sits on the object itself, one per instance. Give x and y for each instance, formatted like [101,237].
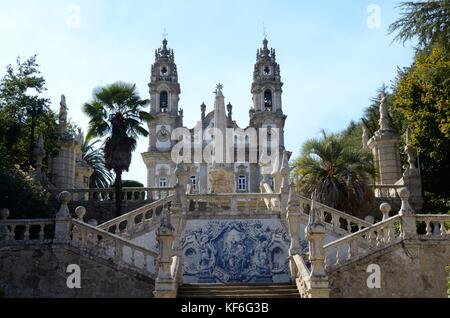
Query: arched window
[163,101]
[268,100]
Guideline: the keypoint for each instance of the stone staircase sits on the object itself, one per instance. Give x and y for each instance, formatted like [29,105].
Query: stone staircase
[238,291]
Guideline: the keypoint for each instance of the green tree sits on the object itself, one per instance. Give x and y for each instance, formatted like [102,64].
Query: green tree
[95,158]
[116,112]
[337,172]
[427,21]
[24,113]
[422,95]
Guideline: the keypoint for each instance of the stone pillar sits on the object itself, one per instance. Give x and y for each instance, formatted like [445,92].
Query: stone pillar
[293,217]
[408,219]
[62,219]
[5,233]
[165,286]
[385,148]
[315,234]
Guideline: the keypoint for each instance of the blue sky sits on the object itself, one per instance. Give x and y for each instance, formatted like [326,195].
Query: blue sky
[332,63]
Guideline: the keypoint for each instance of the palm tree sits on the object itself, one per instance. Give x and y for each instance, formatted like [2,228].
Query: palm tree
[95,158]
[116,113]
[337,172]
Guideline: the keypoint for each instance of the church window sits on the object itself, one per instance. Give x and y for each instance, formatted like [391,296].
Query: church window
[163,183]
[267,70]
[194,183]
[268,100]
[163,101]
[242,183]
[272,183]
[164,71]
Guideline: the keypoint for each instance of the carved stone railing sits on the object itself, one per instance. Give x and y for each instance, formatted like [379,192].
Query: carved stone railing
[435,225]
[301,275]
[362,243]
[128,194]
[136,221]
[337,221]
[386,190]
[110,246]
[243,202]
[26,231]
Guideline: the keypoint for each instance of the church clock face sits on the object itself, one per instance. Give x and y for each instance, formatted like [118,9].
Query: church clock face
[163,135]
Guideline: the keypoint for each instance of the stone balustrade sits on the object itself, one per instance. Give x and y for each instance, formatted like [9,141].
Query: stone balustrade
[363,242]
[335,220]
[435,225]
[301,275]
[233,202]
[27,231]
[128,194]
[135,221]
[386,190]
[105,244]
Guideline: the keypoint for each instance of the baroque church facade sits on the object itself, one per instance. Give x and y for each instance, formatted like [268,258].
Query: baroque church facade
[266,114]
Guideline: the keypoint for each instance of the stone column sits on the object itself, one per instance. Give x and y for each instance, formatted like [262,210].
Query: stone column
[315,234]
[62,219]
[165,286]
[408,218]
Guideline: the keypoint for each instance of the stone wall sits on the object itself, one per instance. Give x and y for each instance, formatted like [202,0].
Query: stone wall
[408,270]
[40,272]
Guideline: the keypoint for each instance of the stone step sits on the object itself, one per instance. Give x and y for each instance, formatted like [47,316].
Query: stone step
[238,291]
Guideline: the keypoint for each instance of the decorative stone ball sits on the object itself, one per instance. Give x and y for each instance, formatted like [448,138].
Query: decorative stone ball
[93,222]
[385,208]
[80,212]
[404,193]
[65,197]
[4,214]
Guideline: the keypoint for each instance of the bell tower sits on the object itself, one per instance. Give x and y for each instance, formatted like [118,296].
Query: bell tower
[164,98]
[267,90]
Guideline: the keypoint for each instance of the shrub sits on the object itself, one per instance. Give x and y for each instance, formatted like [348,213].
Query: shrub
[24,196]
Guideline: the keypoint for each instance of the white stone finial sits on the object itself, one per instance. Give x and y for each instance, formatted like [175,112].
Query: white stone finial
[80,212]
[64,199]
[404,195]
[385,209]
